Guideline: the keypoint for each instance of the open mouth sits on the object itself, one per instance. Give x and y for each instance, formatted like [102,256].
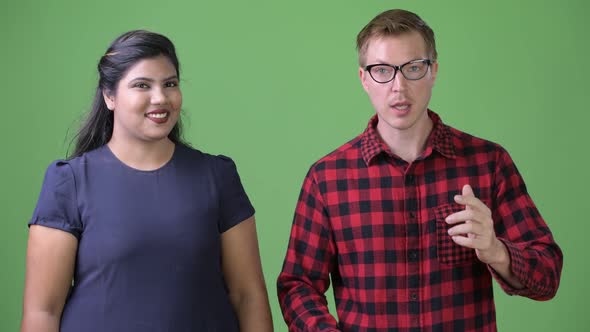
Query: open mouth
[158,116]
[401,108]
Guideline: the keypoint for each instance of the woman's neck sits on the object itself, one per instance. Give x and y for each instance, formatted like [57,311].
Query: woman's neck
[145,156]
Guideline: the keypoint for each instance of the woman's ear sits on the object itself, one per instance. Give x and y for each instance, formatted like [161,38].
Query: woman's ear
[109,100]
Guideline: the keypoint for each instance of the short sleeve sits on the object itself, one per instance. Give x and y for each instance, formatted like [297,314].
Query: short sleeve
[57,205]
[234,205]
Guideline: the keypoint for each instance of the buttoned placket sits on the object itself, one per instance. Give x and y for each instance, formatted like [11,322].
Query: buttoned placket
[412,244]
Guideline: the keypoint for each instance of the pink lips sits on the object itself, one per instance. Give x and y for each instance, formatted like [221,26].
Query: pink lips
[401,108]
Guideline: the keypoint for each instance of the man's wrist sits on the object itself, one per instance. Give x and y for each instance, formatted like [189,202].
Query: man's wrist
[501,256]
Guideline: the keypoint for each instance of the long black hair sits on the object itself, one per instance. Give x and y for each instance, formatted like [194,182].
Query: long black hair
[122,54]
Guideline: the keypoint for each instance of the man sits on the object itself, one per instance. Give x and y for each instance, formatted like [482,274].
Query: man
[412,219]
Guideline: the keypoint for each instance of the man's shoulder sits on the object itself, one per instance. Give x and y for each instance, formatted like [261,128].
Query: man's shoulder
[466,144]
[345,156]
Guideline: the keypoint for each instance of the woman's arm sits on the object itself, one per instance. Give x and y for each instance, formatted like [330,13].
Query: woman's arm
[243,274]
[51,256]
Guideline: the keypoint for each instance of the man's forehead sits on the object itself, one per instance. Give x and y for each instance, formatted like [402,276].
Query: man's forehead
[410,44]
[410,37]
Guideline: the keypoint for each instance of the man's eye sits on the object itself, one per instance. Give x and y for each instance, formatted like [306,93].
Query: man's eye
[382,70]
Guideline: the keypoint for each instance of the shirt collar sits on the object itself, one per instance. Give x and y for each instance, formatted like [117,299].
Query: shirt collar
[440,139]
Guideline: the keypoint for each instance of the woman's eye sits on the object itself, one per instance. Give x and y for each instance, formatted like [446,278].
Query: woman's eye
[171,84]
[142,85]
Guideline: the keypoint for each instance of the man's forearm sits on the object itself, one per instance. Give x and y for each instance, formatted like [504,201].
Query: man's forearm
[502,266]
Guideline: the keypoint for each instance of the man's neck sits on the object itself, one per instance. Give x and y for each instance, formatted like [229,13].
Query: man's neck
[410,143]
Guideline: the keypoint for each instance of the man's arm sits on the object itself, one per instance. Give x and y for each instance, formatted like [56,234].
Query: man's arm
[512,237]
[306,270]
[535,259]
[475,230]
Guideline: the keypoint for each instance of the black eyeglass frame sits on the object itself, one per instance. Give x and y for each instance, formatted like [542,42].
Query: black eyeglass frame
[428,63]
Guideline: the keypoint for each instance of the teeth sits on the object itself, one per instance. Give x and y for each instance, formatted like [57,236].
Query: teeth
[401,107]
[158,115]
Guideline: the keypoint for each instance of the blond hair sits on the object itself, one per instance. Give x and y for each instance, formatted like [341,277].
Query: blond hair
[395,22]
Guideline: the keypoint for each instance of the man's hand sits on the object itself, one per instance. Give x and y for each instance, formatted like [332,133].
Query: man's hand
[475,229]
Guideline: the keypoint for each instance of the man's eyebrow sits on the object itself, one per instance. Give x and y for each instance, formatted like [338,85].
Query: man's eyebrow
[381,62]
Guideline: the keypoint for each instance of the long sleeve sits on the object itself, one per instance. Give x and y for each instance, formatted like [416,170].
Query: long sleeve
[536,260]
[309,260]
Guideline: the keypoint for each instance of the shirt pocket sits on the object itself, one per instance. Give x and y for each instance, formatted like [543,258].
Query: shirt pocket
[448,252]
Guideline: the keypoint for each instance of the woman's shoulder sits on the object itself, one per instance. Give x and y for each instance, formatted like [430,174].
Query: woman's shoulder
[196,155]
[75,162]
[73,165]
[58,171]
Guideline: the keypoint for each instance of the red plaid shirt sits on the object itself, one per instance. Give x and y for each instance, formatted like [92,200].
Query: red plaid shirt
[375,224]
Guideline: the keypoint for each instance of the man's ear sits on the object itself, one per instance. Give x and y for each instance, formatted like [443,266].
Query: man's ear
[434,70]
[109,100]
[363,74]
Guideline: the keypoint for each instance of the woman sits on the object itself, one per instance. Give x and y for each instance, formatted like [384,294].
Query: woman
[138,231]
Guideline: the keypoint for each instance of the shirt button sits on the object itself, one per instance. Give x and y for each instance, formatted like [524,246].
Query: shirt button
[409,179]
[413,255]
[413,296]
[412,216]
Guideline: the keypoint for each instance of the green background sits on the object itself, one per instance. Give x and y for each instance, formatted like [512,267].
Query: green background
[274,85]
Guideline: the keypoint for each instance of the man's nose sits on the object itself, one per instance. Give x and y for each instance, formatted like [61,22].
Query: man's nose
[399,81]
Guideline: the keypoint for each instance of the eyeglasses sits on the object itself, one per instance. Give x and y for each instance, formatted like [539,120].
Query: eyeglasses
[412,70]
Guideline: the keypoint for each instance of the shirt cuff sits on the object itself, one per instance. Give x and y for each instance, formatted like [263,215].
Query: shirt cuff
[518,269]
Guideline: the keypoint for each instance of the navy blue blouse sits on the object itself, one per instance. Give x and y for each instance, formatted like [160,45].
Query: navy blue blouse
[149,251]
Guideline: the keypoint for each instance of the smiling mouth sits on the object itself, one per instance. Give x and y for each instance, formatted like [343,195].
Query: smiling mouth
[154,115]
[158,117]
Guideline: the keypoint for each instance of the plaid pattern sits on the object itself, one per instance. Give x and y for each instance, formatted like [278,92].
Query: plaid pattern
[447,251]
[374,224]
